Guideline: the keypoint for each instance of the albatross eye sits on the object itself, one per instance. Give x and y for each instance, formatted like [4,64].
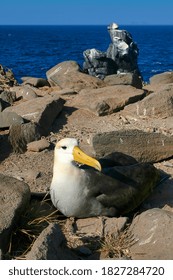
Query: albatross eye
[64,147]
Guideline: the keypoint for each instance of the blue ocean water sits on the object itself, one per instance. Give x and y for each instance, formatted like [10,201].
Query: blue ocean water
[32,50]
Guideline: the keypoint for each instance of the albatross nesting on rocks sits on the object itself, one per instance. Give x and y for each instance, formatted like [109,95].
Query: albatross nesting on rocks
[112,186]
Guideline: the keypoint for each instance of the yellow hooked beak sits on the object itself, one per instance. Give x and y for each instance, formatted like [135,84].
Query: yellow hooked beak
[81,157]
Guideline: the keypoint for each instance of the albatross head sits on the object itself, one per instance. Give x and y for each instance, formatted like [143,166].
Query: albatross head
[67,150]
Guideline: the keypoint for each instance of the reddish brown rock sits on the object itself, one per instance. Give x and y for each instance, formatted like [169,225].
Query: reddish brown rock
[107,100]
[131,79]
[68,75]
[38,146]
[42,110]
[163,78]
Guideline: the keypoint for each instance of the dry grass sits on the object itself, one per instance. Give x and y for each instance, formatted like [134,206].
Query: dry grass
[118,246]
[37,217]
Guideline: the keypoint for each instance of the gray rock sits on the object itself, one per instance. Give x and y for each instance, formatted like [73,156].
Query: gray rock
[68,75]
[131,79]
[50,245]
[123,50]
[107,100]
[9,118]
[35,82]
[152,233]
[20,135]
[142,145]
[98,64]
[8,96]
[14,198]
[42,111]
[120,57]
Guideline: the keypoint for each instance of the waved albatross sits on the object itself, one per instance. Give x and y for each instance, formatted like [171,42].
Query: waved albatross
[111,186]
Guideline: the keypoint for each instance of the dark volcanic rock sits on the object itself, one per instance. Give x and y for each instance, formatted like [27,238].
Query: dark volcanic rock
[120,57]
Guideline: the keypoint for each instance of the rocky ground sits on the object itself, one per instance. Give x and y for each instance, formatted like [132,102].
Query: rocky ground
[107,115]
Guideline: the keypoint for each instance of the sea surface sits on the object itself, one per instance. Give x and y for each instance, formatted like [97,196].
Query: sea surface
[32,50]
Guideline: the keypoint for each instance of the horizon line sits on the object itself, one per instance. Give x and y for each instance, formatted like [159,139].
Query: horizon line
[122,24]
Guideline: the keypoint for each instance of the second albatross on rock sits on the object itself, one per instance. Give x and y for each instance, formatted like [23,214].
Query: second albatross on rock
[113,186]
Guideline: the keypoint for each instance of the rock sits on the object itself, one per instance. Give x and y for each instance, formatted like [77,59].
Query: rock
[68,75]
[107,100]
[9,118]
[161,196]
[142,145]
[8,96]
[120,57]
[14,198]
[158,104]
[20,135]
[123,50]
[35,82]
[65,91]
[163,78]
[84,234]
[99,227]
[50,245]
[26,92]
[6,78]
[98,64]
[131,79]
[42,111]
[152,234]
[113,226]
[3,105]
[38,146]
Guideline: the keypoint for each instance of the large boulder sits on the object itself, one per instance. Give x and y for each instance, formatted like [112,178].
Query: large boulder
[152,235]
[120,57]
[41,110]
[142,145]
[131,79]
[68,75]
[14,198]
[108,100]
[9,118]
[158,104]
[162,79]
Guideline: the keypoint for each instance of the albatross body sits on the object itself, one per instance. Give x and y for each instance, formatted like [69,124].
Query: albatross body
[107,188]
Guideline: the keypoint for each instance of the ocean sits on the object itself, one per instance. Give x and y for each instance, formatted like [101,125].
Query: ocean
[32,50]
